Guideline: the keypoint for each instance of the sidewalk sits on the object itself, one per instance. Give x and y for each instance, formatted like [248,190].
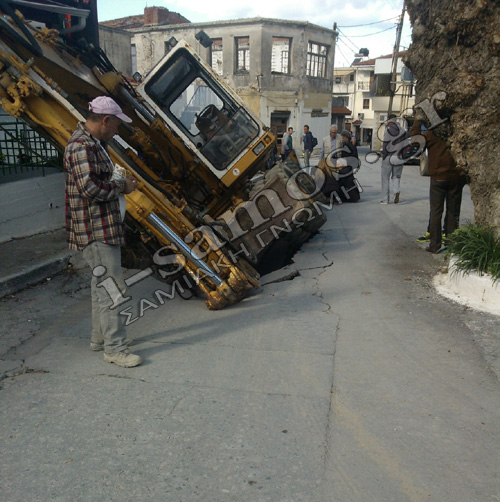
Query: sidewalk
[32,259]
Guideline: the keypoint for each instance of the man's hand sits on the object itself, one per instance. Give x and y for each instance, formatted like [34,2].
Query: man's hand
[130,184]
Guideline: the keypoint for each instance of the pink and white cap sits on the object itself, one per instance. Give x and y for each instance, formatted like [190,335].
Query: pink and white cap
[104,105]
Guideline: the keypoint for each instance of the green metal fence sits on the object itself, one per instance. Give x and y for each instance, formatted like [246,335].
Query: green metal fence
[23,150]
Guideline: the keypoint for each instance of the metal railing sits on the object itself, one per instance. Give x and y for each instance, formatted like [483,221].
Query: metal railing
[363,86]
[23,150]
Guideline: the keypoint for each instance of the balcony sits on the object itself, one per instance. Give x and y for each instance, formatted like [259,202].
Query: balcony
[381,103]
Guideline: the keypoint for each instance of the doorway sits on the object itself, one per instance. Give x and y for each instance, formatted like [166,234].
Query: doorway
[279,126]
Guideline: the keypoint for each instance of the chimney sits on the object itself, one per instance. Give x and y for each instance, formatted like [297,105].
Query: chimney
[155,15]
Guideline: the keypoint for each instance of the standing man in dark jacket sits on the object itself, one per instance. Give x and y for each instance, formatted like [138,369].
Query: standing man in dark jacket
[94,221]
[308,145]
[447,183]
[349,191]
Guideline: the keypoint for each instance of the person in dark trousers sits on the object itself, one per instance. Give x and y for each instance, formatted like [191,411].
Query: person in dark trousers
[308,145]
[446,187]
[426,236]
[94,221]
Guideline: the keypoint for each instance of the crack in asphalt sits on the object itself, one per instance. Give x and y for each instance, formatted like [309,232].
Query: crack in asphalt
[228,346]
[181,398]
[125,377]
[318,293]
[331,412]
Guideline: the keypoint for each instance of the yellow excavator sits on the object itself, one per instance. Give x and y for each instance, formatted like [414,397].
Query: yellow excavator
[211,211]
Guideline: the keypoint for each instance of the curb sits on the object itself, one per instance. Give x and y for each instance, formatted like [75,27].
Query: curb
[34,274]
[473,290]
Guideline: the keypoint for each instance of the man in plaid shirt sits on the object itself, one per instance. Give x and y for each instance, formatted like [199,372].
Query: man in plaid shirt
[94,222]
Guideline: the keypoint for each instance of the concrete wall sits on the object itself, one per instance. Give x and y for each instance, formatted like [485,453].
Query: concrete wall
[116,44]
[31,206]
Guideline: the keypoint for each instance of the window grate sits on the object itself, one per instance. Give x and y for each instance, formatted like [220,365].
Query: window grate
[23,150]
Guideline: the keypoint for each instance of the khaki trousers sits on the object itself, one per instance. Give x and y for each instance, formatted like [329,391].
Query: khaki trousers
[107,326]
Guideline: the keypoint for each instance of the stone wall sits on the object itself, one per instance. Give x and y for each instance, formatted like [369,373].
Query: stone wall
[455,51]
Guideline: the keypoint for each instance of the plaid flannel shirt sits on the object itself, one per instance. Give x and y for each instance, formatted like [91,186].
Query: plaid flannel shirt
[92,206]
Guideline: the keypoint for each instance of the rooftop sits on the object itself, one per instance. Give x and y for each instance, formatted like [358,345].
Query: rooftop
[137,23]
[153,16]
[371,62]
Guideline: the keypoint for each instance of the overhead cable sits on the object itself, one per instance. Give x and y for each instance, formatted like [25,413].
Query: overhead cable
[367,24]
[376,33]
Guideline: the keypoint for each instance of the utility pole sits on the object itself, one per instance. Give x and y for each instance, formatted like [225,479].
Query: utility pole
[395,53]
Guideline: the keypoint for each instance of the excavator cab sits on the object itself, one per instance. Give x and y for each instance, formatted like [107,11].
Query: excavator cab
[209,118]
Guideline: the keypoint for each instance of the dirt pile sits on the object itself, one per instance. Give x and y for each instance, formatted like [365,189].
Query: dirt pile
[456,48]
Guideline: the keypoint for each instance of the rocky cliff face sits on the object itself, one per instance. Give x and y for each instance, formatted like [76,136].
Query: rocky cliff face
[456,49]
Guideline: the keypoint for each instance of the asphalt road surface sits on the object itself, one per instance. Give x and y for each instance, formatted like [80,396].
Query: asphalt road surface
[354,381]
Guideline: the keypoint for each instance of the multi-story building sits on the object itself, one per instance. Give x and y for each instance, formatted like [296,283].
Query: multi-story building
[364,90]
[283,70]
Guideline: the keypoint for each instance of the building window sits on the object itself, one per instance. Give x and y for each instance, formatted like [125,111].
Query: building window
[351,77]
[366,104]
[216,60]
[242,54]
[338,80]
[133,57]
[316,60]
[280,57]
[340,101]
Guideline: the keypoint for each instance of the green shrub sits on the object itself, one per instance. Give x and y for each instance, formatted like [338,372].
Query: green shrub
[476,249]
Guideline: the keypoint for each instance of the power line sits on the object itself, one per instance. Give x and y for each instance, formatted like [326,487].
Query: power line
[347,38]
[367,24]
[346,59]
[355,51]
[376,33]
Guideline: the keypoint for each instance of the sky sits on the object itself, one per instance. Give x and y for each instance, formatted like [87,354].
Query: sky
[348,15]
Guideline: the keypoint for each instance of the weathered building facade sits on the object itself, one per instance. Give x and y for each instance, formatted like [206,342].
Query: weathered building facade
[283,70]
[363,90]
[116,44]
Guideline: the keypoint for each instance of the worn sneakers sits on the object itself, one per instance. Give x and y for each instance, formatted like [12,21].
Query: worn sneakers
[427,237]
[396,198]
[123,358]
[424,238]
[96,347]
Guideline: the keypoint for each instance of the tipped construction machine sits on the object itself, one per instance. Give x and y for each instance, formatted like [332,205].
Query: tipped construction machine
[199,217]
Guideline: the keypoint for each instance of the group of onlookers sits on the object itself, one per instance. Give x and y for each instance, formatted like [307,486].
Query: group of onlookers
[339,161]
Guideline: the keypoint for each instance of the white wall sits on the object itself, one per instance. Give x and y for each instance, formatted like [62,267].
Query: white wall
[31,206]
